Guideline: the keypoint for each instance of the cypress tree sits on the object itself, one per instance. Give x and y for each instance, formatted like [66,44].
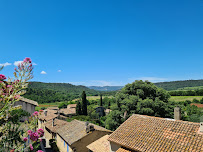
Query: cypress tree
[78,108]
[84,103]
[109,105]
[101,100]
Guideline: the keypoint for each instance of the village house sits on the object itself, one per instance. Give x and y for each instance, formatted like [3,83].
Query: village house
[76,135]
[100,145]
[45,116]
[27,105]
[142,133]
[51,127]
[100,110]
[68,112]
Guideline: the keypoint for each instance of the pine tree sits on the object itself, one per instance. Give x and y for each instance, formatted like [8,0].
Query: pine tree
[78,108]
[101,100]
[84,104]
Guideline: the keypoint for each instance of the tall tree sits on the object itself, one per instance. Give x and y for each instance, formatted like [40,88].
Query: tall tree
[78,108]
[101,100]
[84,103]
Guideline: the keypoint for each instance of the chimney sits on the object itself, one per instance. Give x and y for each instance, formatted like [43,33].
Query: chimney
[201,127]
[53,122]
[177,113]
[45,112]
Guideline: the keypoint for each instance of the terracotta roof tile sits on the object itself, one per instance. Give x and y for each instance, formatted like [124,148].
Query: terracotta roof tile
[71,106]
[100,145]
[70,111]
[197,104]
[57,124]
[50,115]
[122,150]
[145,133]
[76,130]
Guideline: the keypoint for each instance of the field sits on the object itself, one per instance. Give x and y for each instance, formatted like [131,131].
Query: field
[183,98]
[173,98]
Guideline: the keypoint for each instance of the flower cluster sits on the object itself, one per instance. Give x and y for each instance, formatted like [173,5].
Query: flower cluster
[34,136]
[2,77]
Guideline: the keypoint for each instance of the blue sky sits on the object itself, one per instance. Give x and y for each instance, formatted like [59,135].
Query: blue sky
[108,42]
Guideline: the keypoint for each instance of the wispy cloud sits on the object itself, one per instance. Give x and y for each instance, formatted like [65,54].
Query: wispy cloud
[151,79]
[59,70]
[43,72]
[16,63]
[5,64]
[33,63]
[98,83]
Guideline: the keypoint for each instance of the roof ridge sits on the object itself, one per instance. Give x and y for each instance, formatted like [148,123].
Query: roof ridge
[169,119]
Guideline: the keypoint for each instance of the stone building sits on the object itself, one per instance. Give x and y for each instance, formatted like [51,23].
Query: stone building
[27,105]
[76,135]
[68,112]
[147,133]
[51,127]
[100,110]
[45,116]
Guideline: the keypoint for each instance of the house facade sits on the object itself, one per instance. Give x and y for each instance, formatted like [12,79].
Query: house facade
[76,135]
[27,105]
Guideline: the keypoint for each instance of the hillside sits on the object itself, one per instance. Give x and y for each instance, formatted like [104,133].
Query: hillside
[180,85]
[58,92]
[106,88]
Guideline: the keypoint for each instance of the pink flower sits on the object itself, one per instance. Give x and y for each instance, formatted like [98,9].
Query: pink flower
[31,147]
[40,151]
[35,113]
[25,139]
[27,60]
[29,132]
[34,136]
[40,132]
[2,77]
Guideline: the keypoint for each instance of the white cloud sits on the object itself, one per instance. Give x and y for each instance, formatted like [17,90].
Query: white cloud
[5,64]
[59,70]
[33,63]
[97,83]
[16,63]
[151,79]
[43,72]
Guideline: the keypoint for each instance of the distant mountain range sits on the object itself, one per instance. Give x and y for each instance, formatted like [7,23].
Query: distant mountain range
[106,88]
[172,85]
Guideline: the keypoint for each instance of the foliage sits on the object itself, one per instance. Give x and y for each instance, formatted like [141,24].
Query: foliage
[84,104]
[174,85]
[198,92]
[12,130]
[78,108]
[139,97]
[58,92]
[101,104]
[53,145]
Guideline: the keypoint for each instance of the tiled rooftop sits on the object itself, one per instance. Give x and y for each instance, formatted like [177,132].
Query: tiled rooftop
[146,133]
[57,124]
[50,115]
[122,150]
[100,145]
[29,101]
[76,130]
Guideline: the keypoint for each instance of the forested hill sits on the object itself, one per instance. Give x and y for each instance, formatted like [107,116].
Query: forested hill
[175,85]
[57,92]
[64,87]
[106,88]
